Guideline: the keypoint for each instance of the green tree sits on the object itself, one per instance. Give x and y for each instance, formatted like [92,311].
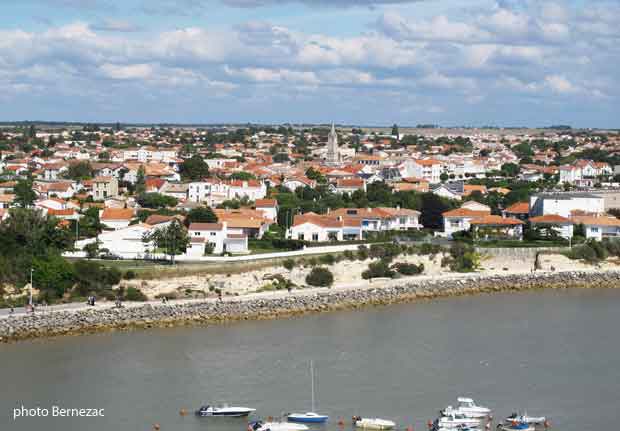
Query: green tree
[510,169]
[395,131]
[194,168]
[432,208]
[172,239]
[155,200]
[79,171]
[24,194]
[52,275]
[242,176]
[201,214]
[140,181]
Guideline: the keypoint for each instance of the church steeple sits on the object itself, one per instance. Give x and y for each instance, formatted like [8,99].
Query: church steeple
[333,155]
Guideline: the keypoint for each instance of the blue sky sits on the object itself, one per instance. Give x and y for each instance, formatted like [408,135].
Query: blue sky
[371,62]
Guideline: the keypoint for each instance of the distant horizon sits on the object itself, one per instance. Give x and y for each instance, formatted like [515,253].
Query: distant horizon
[304,124]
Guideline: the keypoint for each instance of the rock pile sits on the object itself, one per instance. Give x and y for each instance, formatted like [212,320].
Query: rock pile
[82,321]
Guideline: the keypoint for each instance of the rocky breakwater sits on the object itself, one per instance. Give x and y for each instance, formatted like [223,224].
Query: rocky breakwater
[103,318]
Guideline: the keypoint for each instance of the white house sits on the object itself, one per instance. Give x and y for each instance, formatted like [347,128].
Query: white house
[459,219]
[564,204]
[218,236]
[428,169]
[381,219]
[116,218]
[562,225]
[126,242]
[269,207]
[599,227]
[322,228]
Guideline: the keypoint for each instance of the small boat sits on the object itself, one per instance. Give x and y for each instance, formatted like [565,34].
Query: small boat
[224,411]
[532,420]
[452,419]
[373,424]
[455,428]
[276,426]
[468,408]
[516,426]
[309,417]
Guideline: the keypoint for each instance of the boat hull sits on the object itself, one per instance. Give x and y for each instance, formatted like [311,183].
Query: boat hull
[308,419]
[371,425]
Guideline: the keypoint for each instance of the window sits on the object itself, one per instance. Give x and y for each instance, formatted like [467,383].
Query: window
[300,236]
[212,233]
[315,237]
[594,229]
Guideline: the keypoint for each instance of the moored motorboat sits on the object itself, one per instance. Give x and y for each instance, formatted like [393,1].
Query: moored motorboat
[516,426]
[276,426]
[468,408]
[224,411]
[532,420]
[373,423]
[452,419]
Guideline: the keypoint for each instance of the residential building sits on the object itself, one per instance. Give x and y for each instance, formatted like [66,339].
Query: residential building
[104,187]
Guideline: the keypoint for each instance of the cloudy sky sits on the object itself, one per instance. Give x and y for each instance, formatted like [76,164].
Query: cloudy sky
[369,62]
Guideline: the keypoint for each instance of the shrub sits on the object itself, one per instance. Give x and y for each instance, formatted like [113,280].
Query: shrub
[289,264]
[320,277]
[378,269]
[129,275]
[94,277]
[429,249]
[134,294]
[327,259]
[409,268]
[362,252]
[349,255]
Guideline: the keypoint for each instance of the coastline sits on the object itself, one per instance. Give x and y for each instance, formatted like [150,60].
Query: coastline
[282,305]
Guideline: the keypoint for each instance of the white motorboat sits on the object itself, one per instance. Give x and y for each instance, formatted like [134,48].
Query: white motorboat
[374,423]
[224,411]
[452,419]
[455,428]
[467,407]
[516,426]
[276,426]
[531,420]
[309,417]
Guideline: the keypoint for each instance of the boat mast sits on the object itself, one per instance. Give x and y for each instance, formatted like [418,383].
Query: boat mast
[312,377]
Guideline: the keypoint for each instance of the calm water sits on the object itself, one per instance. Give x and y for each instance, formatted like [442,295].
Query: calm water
[552,353]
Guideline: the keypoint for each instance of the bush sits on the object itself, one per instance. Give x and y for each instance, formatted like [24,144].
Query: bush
[362,252]
[129,275]
[430,249]
[327,259]
[463,258]
[135,294]
[378,269]
[289,264]
[409,268]
[320,277]
[349,255]
[93,277]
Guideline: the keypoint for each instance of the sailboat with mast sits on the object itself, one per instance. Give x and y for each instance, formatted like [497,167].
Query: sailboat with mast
[311,416]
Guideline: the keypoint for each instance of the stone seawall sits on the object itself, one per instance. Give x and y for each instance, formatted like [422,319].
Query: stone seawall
[75,322]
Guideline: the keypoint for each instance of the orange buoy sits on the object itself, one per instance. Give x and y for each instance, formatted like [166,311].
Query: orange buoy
[156,427]
[183,412]
[430,424]
[547,424]
[410,428]
[270,419]
[341,422]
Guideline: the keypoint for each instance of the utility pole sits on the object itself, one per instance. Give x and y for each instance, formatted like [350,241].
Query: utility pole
[30,300]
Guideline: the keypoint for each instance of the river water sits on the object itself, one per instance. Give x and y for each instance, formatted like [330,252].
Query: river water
[553,353]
